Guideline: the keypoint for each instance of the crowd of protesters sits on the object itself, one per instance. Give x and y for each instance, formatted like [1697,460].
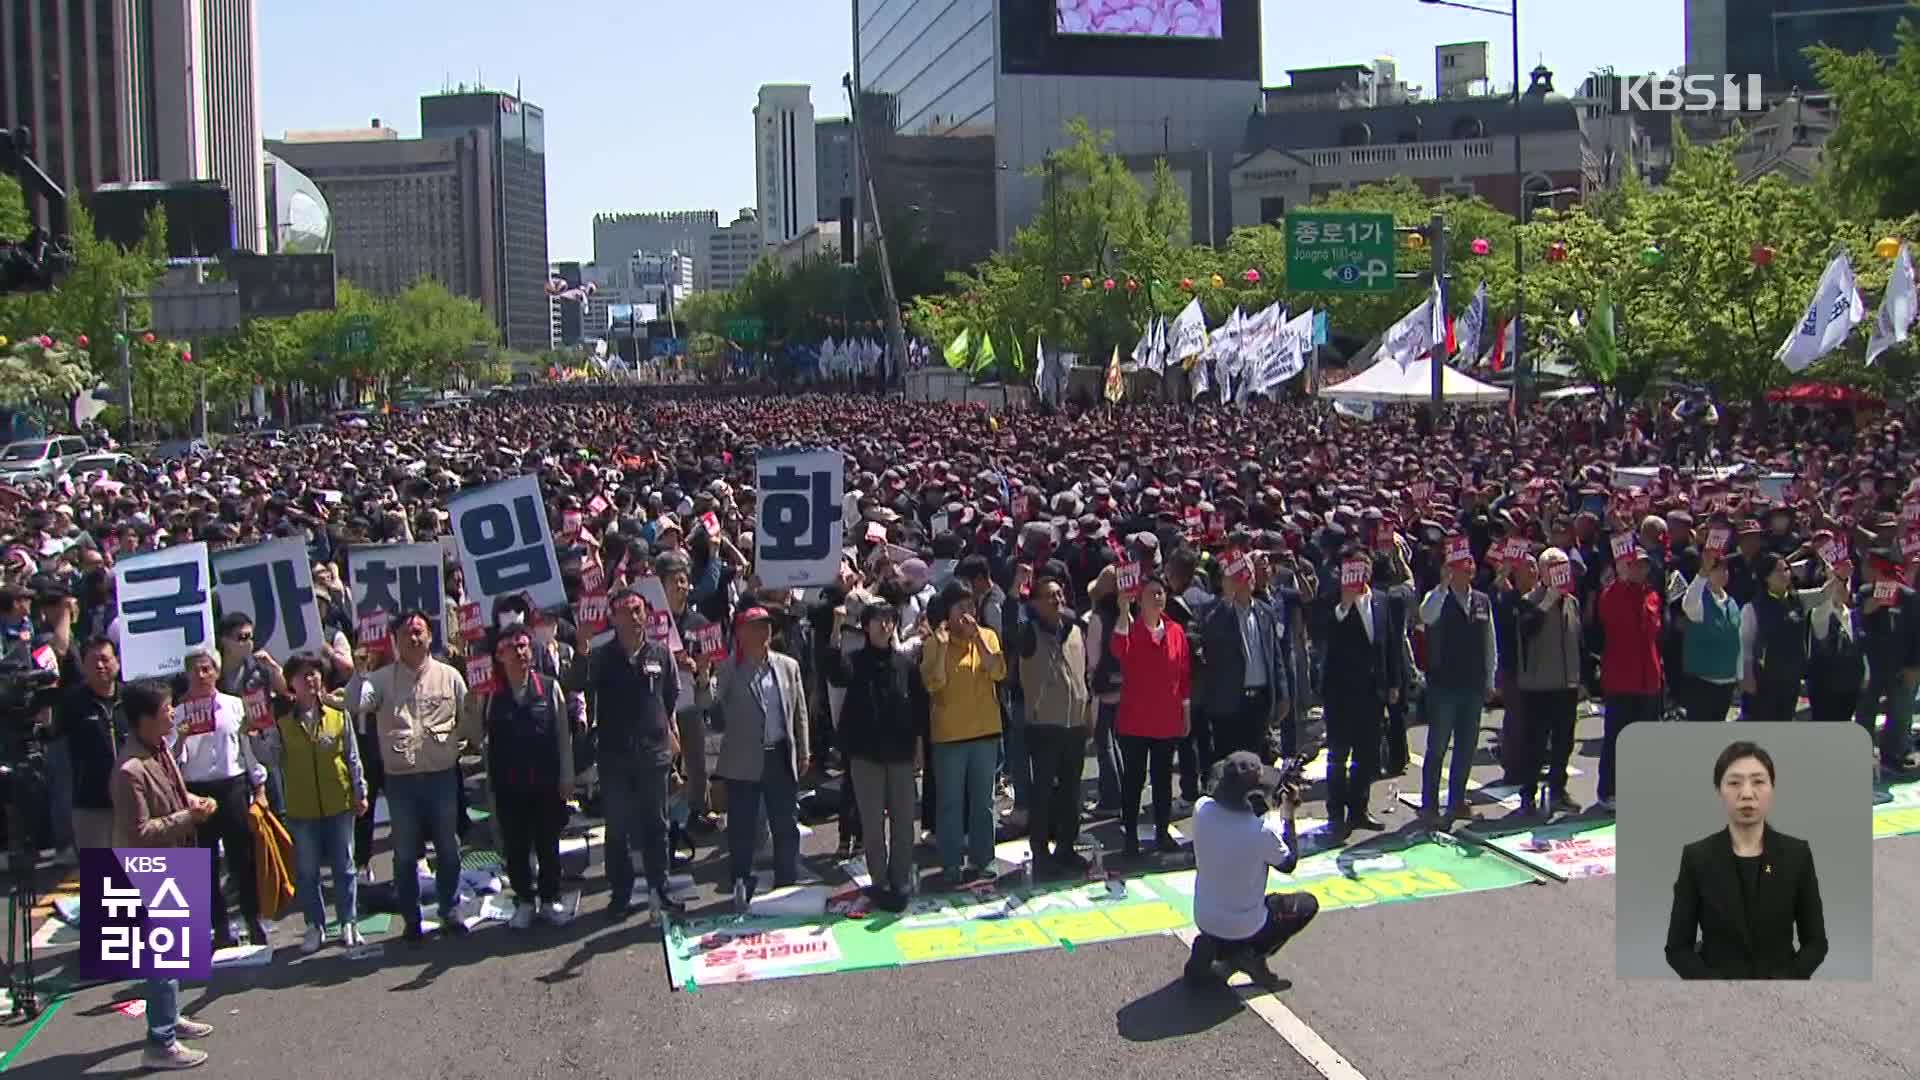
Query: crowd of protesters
[1156,587]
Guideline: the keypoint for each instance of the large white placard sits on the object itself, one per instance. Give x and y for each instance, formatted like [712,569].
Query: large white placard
[273,584]
[797,537]
[164,609]
[505,545]
[397,578]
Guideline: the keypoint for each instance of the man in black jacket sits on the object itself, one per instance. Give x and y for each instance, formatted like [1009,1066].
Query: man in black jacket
[879,730]
[91,720]
[1244,672]
[1367,663]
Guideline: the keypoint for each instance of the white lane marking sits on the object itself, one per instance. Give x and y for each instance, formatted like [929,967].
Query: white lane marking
[1305,1041]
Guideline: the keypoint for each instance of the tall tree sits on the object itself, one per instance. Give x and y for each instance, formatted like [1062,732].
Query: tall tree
[1874,152]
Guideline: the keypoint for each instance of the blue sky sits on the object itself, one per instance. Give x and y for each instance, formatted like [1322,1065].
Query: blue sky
[649,102]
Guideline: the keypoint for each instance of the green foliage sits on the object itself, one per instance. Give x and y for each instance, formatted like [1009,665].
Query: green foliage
[1874,152]
[14,221]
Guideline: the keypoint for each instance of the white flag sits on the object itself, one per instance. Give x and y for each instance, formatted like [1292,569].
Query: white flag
[1411,338]
[1258,344]
[1157,351]
[1290,352]
[1189,333]
[1897,308]
[1142,349]
[1472,323]
[1223,348]
[1040,366]
[1836,308]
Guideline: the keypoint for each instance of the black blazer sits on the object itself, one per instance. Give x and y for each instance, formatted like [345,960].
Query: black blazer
[1711,934]
[1392,666]
[1220,661]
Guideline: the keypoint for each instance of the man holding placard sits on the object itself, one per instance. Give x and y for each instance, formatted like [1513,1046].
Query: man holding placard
[1891,616]
[1632,678]
[1246,675]
[1462,661]
[1366,664]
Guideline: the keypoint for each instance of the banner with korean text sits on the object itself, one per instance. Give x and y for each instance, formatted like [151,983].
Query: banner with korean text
[1573,849]
[387,580]
[272,584]
[797,537]
[506,547]
[164,609]
[1896,810]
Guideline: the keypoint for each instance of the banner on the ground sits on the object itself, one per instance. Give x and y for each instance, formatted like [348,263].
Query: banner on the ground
[797,534]
[393,579]
[506,548]
[1896,811]
[1565,851]
[273,584]
[164,609]
[1012,918]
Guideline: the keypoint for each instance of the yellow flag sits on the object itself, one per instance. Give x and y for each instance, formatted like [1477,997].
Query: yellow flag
[1116,383]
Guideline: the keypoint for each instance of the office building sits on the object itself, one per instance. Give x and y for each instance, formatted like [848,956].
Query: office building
[783,162]
[732,250]
[1768,38]
[569,316]
[406,209]
[963,100]
[616,236]
[120,91]
[822,240]
[515,136]
[833,165]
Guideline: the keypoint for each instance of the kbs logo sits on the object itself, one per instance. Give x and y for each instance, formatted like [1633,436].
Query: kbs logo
[1690,93]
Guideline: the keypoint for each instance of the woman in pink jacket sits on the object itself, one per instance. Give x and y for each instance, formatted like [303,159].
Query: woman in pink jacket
[1155,681]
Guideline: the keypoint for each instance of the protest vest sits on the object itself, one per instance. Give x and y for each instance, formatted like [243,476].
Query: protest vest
[1711,649]
[314,767]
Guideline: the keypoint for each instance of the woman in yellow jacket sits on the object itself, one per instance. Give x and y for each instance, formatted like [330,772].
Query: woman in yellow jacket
[962,665]
[325,790]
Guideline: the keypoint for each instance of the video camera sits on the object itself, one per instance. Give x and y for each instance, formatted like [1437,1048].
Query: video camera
[1288,772]
[36,262]
[25,690]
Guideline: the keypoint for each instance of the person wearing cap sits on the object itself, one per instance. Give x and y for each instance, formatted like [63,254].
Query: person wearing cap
[1710,642]
[1242,663]
[1548,628]
[1630,613]
[1890,616]
[1513,579]
[878,730]
[963,664]
[760,703]
[1235,845]
[1462,664]
[674,572]
[1367,660]
[1775,639]
[1052,656]
[1836,659]
[632,691]
[1742,583]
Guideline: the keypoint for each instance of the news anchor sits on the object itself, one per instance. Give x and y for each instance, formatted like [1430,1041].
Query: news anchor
[1743,892]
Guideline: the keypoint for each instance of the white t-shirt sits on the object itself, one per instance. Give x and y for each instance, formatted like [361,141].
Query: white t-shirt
[1232,850]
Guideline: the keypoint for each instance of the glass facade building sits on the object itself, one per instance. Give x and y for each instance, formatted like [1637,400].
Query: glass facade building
[1769,38]
[516,134]
[931,63]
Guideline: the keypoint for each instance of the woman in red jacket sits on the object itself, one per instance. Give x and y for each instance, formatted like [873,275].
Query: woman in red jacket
[1155,680]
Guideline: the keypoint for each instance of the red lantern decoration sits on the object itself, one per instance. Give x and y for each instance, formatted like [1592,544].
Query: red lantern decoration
[1557,251]
[148,337]
[1132,285]
[82,341]
[1066,280]
[1108,284]
[1481,245]
[186,356]
[1252,276]
[1763,255]
[46,341]
[1186,284]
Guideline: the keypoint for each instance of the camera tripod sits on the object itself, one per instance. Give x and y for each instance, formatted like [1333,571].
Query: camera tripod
[27,781]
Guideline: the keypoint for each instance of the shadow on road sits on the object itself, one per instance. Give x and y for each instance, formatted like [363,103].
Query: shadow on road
[1175,1010]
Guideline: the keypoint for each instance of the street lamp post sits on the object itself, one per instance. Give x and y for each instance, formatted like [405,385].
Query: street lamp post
[1522,366]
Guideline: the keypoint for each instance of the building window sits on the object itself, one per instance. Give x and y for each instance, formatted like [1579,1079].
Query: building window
[1273,210]
[1356,135]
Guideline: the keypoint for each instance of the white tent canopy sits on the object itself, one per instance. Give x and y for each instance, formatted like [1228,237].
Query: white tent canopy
[1386,383]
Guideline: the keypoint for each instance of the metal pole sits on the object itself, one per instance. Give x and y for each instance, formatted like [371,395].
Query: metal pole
[126,361]
[896,333]
[1522,369]
[1437,360]
[859,172]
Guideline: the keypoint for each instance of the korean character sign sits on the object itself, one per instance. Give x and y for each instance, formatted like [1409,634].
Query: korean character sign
[1518,549]
[1459,551]
[1354,573]
[375,632]
[797,531]
[592,612]
[197,717]
[1560,576]
[481,675]
[1622,543]
[706,644]
[273,584]
[505,548]
[660,628]
[395,579]
[165,606]
[1126,578]
[472,626]
[146,913]
[1240,566]
[1196,521]
[570,523]
[1718,537]
[1886,591]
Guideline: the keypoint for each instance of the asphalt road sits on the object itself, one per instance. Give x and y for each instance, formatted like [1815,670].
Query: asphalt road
[1516,982]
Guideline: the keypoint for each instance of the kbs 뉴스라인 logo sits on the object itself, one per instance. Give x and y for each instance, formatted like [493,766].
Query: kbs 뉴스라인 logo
[145,913]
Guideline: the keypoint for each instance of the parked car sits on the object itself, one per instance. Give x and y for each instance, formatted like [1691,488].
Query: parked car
[180,449]
[98,461]
[39,459]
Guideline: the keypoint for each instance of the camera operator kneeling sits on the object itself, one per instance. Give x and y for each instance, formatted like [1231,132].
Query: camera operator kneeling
[1234,842]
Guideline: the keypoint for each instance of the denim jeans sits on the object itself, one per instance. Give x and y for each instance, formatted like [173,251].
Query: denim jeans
[163,1010]
[1106,754]
[59,795]
[331,839]
[774,794]
[1453,716]
[1013,751]
[634,797]
[964,816]
[422,807]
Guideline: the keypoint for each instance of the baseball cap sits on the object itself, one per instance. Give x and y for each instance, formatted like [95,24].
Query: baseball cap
[1240,774]
[753,614]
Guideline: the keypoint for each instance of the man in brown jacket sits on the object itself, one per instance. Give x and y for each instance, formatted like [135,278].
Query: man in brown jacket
[153,809]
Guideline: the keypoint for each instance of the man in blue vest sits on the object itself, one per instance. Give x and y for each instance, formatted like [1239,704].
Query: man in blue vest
[1462,660]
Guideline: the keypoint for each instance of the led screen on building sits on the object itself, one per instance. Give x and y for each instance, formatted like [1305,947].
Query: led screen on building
[1139,18]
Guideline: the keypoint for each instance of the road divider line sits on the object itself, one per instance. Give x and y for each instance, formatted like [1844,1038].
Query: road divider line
[1305,1041]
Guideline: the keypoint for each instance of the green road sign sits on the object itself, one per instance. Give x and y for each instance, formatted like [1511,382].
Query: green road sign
[1340,252]
[358,335]
[749,329]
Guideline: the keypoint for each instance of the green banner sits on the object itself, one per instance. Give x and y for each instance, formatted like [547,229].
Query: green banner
[1571,849]
[998,920]
[1896,810]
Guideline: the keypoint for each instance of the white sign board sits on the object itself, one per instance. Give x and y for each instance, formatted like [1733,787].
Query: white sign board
[273,584]
[797,534]
[164,608]
[505,545]
[397,578]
